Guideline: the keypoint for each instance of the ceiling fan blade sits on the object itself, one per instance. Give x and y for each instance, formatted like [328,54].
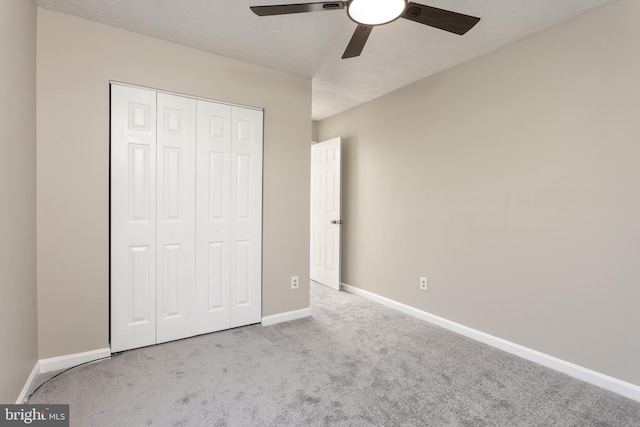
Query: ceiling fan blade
[358,40]
[439,18]
[285,9]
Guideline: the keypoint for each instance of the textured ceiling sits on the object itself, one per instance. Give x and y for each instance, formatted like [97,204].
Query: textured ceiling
[311,44]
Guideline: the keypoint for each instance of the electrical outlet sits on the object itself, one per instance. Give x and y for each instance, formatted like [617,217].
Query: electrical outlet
[424,284]
[294,282]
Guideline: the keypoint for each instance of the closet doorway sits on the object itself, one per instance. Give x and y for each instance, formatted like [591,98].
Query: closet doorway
[186,216]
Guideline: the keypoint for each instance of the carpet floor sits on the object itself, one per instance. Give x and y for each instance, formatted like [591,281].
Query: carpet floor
[353,363]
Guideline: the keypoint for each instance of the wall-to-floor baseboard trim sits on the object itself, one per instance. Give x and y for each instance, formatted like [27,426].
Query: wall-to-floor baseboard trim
[27,386]
[286,317]
[71,360]
[56,363]
[606,382]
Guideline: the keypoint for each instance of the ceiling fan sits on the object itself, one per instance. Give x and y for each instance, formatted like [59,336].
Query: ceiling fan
[369,13]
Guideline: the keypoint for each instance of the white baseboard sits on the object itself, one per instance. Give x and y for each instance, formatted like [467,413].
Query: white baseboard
[56,363]
[606,382]
[22,398]
[286,317]
[71,360]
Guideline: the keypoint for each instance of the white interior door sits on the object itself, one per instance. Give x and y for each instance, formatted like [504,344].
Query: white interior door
[133,218]
[325,212]
[246,216]
[176,228]
[213,217]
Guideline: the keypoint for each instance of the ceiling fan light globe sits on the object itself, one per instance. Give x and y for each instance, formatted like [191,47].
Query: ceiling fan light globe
[375,12]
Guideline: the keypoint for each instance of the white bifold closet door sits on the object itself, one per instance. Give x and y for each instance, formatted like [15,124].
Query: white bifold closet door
[186,215]
[133,218]
[175,217]
[228,216]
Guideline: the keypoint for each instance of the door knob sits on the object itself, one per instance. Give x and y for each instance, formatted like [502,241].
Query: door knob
[336,221]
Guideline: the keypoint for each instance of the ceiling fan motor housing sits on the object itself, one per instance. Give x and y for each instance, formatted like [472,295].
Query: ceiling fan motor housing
[375,12]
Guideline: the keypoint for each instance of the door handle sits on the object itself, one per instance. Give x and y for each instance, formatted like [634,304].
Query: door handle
[336,221]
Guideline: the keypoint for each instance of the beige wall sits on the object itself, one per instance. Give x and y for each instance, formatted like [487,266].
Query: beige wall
[76,60]
[18,315]
[513,183]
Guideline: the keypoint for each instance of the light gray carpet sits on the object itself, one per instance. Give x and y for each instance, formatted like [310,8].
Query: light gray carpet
[354,363]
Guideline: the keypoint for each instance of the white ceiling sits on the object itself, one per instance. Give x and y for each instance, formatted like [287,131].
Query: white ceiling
[311,44]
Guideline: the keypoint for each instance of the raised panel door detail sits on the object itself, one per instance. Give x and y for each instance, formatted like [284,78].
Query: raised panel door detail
[317,157]
[316,194]
[217,184]
[173,121]
[173,183]
[216,273]
[217,127]
[318,240]
[243,272]
[244,132]
[172,279]
[139,117]
[139,182]
[243,186]
[330,241]
[139,283]
[331,155]
[330,201]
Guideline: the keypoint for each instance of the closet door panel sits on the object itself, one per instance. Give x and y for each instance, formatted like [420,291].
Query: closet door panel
[133,217]
[213,184]
[175,275]
[246,216]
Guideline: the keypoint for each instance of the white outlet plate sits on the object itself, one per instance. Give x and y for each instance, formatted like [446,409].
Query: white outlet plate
[295,282]
[424,284]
